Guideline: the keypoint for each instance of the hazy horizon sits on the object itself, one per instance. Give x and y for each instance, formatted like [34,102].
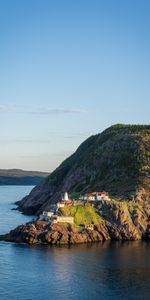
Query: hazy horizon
[69,69]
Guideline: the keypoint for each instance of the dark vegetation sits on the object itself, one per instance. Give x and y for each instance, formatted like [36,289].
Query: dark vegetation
[116,160]
[20,177]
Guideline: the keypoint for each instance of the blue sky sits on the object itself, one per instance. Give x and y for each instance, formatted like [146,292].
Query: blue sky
[69,69]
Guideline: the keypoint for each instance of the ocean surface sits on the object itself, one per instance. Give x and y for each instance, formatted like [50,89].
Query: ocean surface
[99,271]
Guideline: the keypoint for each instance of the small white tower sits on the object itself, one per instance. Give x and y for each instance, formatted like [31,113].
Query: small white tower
[65,197]
[96,198]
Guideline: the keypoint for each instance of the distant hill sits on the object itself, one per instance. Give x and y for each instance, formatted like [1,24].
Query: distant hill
[116,160]
[21,177]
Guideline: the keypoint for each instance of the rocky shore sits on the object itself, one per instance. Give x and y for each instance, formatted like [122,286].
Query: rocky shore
[120,221]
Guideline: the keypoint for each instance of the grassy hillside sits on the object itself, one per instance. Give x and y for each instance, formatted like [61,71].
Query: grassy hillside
[116,160]
[82,214]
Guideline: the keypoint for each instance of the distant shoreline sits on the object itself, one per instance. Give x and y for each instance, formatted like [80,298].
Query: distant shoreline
[21,177]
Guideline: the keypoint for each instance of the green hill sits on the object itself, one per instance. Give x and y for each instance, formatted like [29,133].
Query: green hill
[82,214]
[20,177]
[116,160]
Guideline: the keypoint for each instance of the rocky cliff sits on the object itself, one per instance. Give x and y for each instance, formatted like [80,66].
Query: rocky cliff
[116,160]
[118,221]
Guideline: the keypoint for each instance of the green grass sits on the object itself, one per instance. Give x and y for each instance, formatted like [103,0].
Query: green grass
[82,214]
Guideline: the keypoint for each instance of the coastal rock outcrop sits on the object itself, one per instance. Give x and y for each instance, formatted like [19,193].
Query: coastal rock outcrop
[118,221]
[42,232]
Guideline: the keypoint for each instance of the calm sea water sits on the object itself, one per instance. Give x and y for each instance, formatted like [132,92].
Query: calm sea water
[99,271]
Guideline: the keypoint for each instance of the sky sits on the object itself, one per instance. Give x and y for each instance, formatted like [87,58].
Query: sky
[69,69]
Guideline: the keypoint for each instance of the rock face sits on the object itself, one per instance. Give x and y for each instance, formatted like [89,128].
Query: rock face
[42,232]
[117,161]
[120,221]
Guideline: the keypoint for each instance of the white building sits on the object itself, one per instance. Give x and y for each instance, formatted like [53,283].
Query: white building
[52,218]
[46,216]
[102,196]
[65,197]
[96,196]
[60,204]
[63,219]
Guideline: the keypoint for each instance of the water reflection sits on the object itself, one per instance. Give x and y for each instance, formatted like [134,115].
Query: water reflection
[110,270]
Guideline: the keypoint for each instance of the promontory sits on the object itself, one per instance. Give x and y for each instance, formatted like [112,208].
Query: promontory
[112,169]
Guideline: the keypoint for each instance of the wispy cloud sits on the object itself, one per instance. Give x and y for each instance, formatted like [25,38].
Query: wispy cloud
[58,136]
[24,141]
[78,135]
[56,111]
[6,108]
[38,110]
[50,155]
